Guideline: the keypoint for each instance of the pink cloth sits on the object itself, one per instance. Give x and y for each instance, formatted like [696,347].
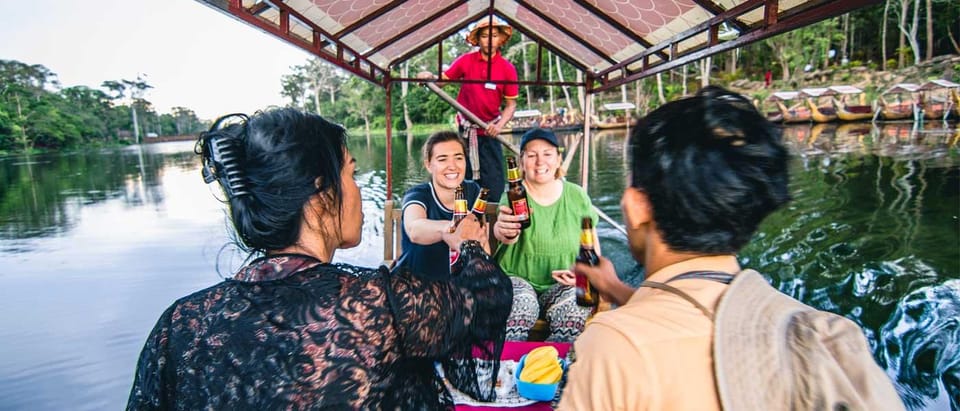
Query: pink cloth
[513,350]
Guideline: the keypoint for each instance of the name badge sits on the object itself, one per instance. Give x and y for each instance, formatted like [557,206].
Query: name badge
[490,86]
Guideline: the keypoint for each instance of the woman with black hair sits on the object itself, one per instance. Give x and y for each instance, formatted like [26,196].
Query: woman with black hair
[291,330]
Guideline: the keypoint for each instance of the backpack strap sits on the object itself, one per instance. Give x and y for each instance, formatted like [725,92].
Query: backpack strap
[716,276]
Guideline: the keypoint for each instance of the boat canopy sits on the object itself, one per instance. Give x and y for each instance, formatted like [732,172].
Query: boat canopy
[845,90]
[612,42]
[903,88]
[526,113]
[938,84]
[817,92]
[783,96]
[618,106]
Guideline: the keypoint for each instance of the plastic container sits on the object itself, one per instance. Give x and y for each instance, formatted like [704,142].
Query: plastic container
[538,392]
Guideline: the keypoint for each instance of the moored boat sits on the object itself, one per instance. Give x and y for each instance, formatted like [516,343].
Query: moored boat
[793,114]
[819,113]
[522,121]
[903,109]
[612,121]
[848,112]
[955,97]
[936,99]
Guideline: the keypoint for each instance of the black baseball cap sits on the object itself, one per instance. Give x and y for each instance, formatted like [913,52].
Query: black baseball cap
[539,133]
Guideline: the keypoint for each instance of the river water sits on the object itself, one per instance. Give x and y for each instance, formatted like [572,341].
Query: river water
[94,245]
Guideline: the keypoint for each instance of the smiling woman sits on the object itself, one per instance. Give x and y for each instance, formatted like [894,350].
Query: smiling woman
[538,258]
[428,209]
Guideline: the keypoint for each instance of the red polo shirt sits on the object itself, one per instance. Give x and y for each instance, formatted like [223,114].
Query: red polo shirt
[477,97]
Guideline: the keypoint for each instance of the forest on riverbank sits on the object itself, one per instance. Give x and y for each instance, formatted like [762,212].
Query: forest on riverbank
[896,40]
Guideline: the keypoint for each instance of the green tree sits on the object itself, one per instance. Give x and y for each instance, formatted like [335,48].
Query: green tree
[134,89]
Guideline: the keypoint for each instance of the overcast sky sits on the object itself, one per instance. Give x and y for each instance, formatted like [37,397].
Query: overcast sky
[193,56]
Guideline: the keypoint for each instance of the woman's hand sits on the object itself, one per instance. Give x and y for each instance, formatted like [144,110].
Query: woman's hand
[564,277]
[507,228]
[468,229]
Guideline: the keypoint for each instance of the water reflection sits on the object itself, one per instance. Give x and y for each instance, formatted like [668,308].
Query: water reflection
[871,231]
[98,243]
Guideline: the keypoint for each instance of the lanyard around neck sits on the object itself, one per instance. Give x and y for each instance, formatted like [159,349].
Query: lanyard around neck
[715,276]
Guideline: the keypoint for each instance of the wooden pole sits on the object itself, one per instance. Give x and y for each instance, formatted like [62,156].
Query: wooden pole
[470,116]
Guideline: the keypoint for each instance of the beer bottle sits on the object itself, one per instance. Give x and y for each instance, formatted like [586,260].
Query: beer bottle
[480,206]
[459,213]
[517,195]
[587,296]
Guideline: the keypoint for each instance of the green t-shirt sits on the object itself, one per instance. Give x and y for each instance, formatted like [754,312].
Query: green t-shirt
[552,240]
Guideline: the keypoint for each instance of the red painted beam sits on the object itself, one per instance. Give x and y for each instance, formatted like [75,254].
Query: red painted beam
[281,29]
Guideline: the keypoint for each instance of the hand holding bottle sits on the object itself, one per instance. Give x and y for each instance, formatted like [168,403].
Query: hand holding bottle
[508,226]
[603,277]
[467,229]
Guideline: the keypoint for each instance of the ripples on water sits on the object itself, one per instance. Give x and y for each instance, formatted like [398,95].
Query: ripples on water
[96,244]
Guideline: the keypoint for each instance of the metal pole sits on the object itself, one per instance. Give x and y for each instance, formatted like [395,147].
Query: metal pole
[387,85]
[585,150]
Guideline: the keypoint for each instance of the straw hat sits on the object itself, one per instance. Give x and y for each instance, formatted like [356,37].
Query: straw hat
[772,352]
[505,29]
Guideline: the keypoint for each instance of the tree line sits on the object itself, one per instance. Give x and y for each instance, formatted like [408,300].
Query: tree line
[888,36]
[37,113]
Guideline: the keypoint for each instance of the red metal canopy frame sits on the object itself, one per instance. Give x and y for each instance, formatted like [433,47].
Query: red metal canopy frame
[613,42]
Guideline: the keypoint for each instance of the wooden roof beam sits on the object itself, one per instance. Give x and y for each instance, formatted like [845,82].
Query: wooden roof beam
[715,9]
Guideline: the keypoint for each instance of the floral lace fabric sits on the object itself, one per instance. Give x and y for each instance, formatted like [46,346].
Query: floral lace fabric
[289,332]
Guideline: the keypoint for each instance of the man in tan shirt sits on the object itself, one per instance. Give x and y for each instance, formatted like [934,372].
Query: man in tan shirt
[705,171]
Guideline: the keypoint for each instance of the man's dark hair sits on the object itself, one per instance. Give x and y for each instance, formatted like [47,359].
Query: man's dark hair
[712,167]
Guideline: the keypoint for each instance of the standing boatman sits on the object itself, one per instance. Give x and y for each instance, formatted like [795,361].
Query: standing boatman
[484,99]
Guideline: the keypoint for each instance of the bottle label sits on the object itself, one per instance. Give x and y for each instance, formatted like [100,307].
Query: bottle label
[480,206]
[454,255]
[513,174]
[586,239]
[520,208]
[460,207]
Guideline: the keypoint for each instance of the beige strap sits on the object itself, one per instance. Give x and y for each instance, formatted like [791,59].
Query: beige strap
[685,296]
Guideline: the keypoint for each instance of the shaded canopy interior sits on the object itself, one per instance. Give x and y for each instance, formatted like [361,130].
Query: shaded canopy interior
[612,41]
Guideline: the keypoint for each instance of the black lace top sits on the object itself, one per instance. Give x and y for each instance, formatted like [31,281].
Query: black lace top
[290,332]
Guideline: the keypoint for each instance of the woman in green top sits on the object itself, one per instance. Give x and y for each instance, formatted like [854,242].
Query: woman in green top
[538,258]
